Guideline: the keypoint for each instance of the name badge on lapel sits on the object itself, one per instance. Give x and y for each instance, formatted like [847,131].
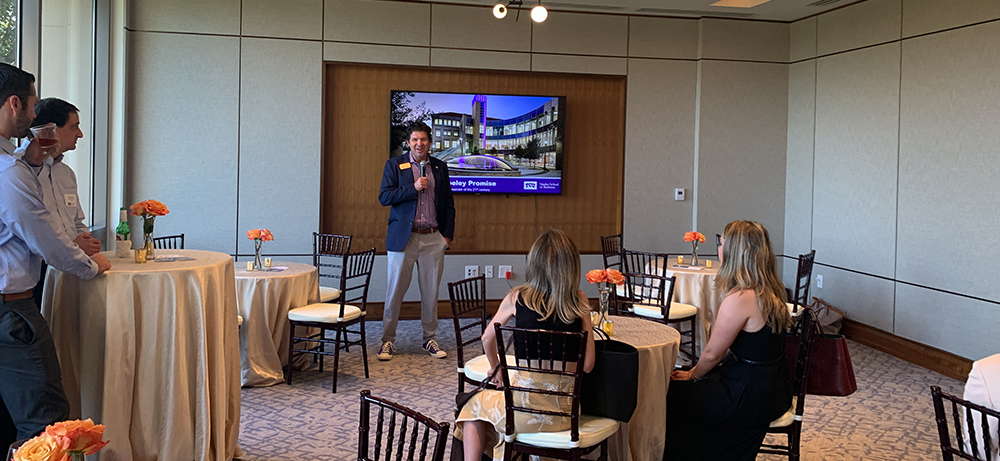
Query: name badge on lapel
[405,166]
[70,199]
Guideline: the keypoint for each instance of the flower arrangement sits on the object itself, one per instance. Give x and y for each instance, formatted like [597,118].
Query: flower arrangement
[148,210]
[605,276]
[695,238]
[259,236]
[63,441]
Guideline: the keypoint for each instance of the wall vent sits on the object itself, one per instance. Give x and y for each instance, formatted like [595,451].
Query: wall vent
[699,13]
[582,7]
[823,2]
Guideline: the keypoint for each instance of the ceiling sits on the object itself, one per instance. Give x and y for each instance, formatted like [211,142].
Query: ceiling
[773,10]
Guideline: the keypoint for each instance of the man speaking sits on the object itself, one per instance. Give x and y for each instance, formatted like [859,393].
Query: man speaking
[421,225]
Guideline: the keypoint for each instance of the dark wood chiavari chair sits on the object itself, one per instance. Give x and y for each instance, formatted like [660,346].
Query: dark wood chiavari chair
[800,297]
[976,438]
[790,423]
[468,302]
[400,433]
[169,242]
[328,254]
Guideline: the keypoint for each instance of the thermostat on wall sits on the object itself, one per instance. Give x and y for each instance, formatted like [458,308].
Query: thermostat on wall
[679,194]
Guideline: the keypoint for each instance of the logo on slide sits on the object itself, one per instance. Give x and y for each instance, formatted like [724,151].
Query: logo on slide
[530,185]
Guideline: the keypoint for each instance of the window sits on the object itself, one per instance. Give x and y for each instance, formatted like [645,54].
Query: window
[8,31]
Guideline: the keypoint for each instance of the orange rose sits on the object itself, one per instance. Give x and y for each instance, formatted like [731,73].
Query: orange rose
[253,234]
[139,208]
[80,436]
[43,448]
[615,277]
[156,208]
[266,235]
[597,276]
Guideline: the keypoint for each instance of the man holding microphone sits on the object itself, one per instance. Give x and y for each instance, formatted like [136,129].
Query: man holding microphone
[421,225]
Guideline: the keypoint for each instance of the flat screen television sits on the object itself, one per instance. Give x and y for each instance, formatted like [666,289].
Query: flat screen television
[501,144]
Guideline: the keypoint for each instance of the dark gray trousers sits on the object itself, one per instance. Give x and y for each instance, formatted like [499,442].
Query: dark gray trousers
[31,392]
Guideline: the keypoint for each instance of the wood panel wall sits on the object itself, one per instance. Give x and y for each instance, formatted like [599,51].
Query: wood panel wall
[356,146]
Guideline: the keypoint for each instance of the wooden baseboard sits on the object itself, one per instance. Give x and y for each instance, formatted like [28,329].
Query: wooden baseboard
[933,359]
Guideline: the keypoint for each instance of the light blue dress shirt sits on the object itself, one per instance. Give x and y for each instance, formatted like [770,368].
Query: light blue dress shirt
[59,193]
[28,231]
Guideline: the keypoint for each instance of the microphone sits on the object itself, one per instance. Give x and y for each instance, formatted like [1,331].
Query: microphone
[423,173]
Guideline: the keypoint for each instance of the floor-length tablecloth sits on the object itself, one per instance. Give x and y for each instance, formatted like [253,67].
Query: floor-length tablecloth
[151,351]
[642,438]
[264,300]
[697,288]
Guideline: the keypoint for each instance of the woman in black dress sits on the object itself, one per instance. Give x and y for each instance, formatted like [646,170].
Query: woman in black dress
[721,408]
[550,299]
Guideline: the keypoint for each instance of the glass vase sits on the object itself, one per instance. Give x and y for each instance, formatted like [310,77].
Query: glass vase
[147,235]
[257,262]
[694,253]
[603,307]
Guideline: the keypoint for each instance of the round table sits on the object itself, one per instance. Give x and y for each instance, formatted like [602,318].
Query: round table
[642,438]
[697,288]
[264,299]
[151,351]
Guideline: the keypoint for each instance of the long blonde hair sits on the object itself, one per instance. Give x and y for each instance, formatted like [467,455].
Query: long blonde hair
[552,278]
[748,263]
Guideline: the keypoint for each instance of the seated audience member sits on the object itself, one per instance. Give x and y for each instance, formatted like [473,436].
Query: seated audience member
[57,179]
[721,408]
[550,299]
[983,388]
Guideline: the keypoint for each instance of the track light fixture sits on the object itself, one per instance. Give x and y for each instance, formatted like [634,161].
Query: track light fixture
[538,13]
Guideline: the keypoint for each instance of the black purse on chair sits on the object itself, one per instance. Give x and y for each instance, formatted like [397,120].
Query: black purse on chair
[610,390]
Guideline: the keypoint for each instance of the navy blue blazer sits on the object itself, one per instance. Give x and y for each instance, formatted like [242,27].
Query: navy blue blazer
[397,192]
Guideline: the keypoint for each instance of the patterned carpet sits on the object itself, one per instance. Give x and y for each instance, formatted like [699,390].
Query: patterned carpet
[890,417]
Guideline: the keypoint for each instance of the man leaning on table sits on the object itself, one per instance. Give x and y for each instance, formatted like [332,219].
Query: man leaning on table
[57,179]
[31,393]
[421,225]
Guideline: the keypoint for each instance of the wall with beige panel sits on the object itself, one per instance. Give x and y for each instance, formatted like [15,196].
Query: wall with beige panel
[392,23]
[183,123]
[302,19]
[667,38]
[926,16]
[857,141]
[741,147]
[960,325]
[949,161]
[744,40]
[584,34]
[475,28]
[859,25]
[799,164]
[659,142]
[192,16]
[280,133]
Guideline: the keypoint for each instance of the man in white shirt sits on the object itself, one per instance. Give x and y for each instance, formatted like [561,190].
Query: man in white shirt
[983,388]
[31,393]
[57,179]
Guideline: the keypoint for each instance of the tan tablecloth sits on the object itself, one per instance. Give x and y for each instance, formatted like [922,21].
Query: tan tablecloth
[151,351]
[264,300]
[697,288]
[642,438]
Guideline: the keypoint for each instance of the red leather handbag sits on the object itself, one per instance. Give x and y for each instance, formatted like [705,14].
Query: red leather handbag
[830,369]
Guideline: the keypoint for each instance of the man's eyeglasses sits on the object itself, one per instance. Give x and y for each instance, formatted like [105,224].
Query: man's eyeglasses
[718,240]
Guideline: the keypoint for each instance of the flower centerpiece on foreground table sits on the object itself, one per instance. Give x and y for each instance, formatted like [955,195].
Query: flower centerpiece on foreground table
[68,440]
[604,278]
[148,210]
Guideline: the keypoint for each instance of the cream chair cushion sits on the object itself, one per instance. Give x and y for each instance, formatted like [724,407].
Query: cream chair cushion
[328,294]
[593,430]
[791,308]
[239,320]
[786,419]
[324,313]
[477,368]
[677,311]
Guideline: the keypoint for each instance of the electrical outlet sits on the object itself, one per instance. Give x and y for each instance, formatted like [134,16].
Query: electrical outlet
[471,271]
[819,281]
[489,272]
[504,272]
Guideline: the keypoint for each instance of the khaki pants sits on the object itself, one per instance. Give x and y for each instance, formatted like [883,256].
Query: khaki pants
[427,252]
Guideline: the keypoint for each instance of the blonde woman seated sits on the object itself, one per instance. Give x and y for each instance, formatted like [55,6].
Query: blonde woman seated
[550,299]
[721,408]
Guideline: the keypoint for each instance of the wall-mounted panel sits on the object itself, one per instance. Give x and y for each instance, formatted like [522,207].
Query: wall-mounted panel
[578,64]
[742,143]
[280,137]
[376,54]
[857,129]
[956,324]
[578,33]
[659,153]
[181,153]
[395,23]
[668,38]
[948,161]
[193,16]
[286,19]
[862,24]
[475,28]
[799,158]
[744,40]
[862,298]
[480,59]
[803,40]
[926,16]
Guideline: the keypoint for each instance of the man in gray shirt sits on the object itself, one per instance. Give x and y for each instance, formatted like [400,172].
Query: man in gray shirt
[31,393]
